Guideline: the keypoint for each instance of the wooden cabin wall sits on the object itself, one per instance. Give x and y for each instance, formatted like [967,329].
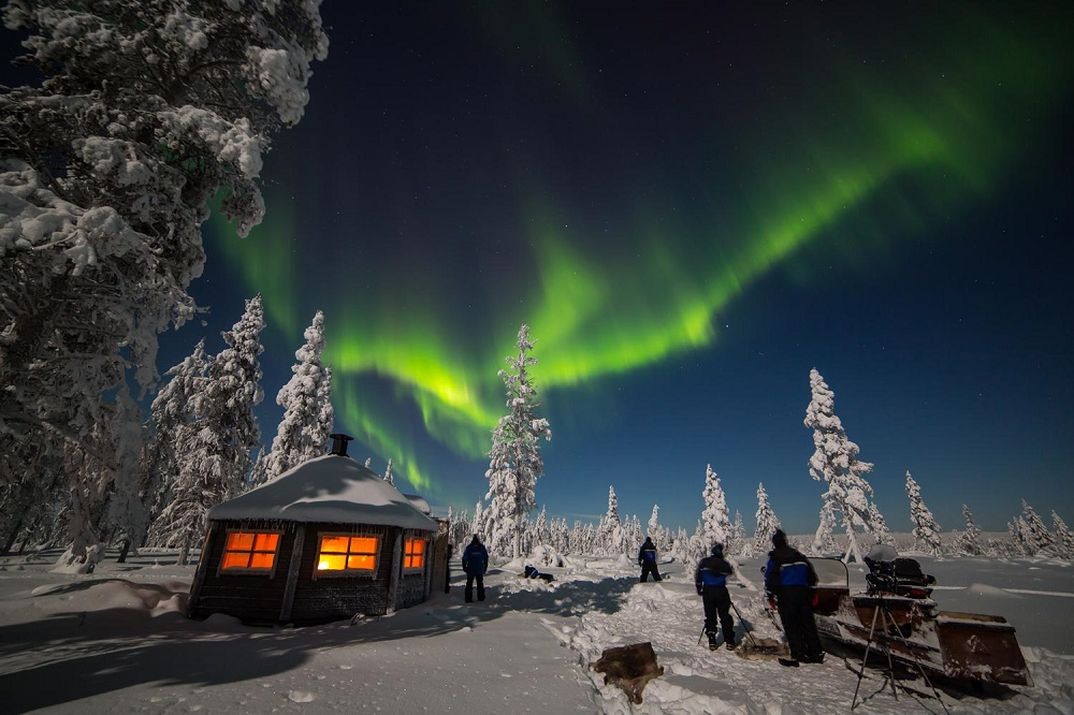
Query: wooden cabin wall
[440,556]
[411,589]
[252,598]
[259,599]
[331,597]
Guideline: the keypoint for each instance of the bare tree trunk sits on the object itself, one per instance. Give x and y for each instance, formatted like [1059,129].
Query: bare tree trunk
[184,552]
[852,546]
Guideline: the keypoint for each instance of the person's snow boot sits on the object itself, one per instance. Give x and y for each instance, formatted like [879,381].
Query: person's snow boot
[713,645]
[730,645]
[788,662]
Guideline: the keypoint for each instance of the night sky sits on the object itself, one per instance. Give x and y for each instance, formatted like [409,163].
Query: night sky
[691,205]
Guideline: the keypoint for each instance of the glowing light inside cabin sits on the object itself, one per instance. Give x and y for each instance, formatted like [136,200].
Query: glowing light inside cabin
[414,554]
[347,553]
[250,551]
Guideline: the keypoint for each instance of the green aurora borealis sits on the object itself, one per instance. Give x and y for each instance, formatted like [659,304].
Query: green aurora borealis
[858,157]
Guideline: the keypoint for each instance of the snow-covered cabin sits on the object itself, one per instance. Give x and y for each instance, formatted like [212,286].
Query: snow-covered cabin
[326,540]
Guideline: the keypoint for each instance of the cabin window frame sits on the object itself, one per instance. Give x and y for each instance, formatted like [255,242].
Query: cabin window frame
[348,573]
[270,573]
[424,554]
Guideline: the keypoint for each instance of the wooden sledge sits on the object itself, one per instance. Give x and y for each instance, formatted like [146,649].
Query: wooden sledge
[964,647]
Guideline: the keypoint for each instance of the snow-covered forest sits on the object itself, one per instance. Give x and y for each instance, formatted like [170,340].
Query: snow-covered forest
[150,112]
[848,498]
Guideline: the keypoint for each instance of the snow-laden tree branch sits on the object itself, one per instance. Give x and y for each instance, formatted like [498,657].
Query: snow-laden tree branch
[148,109]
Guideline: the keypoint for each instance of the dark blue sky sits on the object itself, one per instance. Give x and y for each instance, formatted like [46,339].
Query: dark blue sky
[881,194]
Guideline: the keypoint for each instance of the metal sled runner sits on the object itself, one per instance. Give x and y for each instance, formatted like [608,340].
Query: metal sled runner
[962,646]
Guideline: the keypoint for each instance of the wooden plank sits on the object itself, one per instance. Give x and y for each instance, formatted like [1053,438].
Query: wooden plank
[292,573]
[203,566]
[397,568]
[432,548]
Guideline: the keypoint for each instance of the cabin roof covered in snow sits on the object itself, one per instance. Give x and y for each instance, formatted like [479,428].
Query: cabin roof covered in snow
[419,503]
[331,489]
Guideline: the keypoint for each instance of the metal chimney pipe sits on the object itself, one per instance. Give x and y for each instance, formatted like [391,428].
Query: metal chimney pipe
[339,443]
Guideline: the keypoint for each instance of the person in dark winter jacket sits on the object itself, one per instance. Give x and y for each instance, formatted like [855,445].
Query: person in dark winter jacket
[711,582]
[789,578]
[475,561]
[532,572]
[647,561]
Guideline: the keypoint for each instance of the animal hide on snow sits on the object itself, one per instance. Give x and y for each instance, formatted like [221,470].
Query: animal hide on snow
[630,667]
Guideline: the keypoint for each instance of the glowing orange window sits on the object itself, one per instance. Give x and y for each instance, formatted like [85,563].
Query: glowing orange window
[250,551]
[347,553]
[414,554]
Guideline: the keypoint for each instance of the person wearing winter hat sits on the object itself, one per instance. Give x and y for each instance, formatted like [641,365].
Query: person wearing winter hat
[647,560]
[710,579]
[789,579]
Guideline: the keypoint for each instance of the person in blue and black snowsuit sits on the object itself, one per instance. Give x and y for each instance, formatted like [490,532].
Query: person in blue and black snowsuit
[789,578]
[475,561]
[532,572]
[647,561]
[711,582]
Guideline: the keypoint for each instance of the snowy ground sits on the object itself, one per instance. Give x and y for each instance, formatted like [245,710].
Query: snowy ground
[115,641]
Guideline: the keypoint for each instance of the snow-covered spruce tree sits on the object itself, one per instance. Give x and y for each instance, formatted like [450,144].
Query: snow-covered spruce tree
[462,528]
[169,416]
[540,528]
[767,521]
[654,530]
[714,518]
[127,517]
[968,541]
[926,531]
[559,536]
[736,537]
[389,476]
[632,535]
[307,409]
[575,544]
[259,470]
[149,109]
[458,525]
[879,525]
[1064,540]
[609,534]
[680,545]
[459,529]
[1038,540]
[697,547]
[515,462]
[104,500]
[1017,545]
[824,540]
[326,418]
[89,478]
[216,450]
[478,523]
[835,462]
[29,507]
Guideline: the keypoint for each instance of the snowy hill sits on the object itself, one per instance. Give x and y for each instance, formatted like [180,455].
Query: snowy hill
[114,641]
